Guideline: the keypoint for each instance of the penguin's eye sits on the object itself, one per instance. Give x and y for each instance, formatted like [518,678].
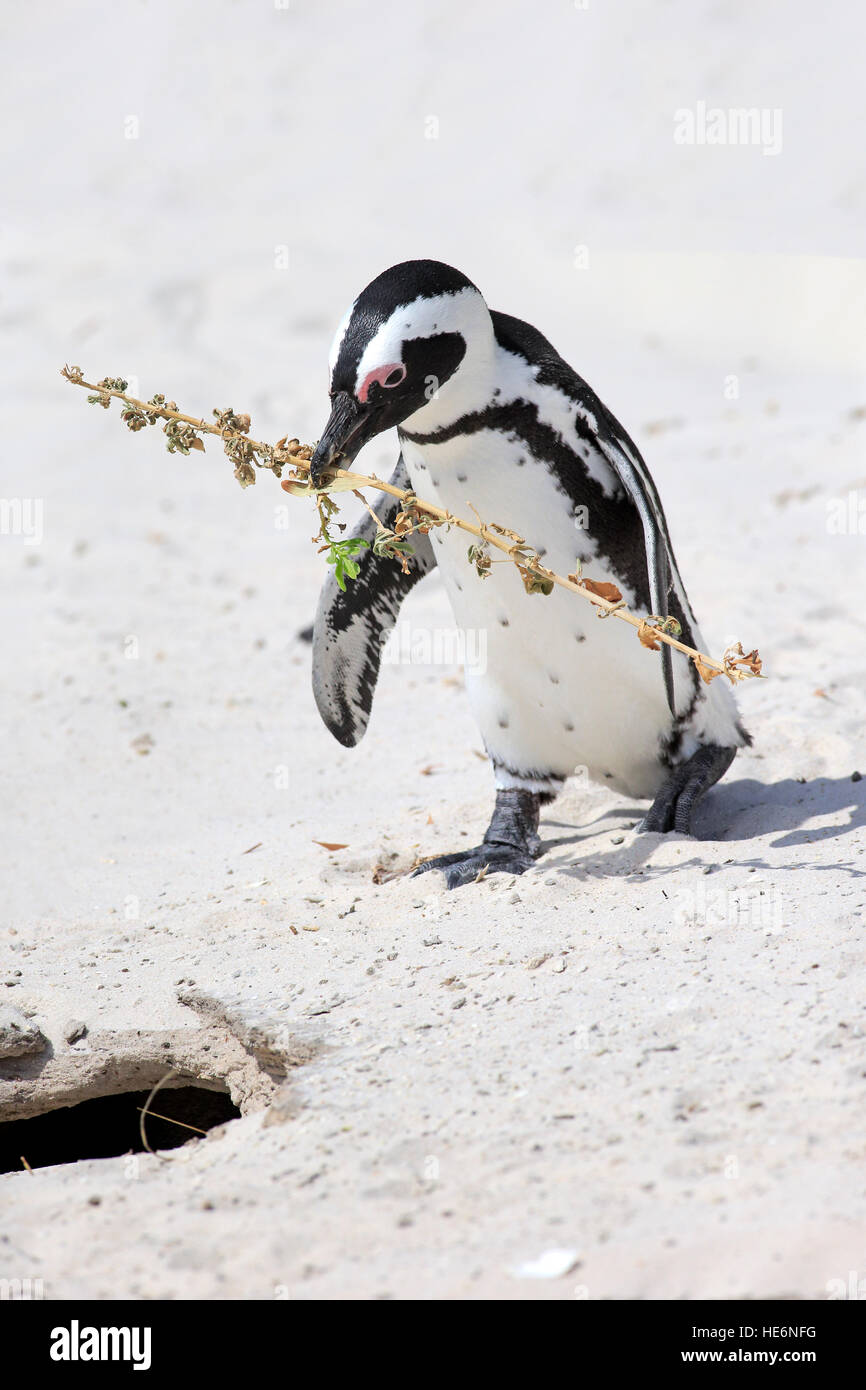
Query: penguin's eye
[389,375]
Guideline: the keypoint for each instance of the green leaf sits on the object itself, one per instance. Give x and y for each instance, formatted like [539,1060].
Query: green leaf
[340,556]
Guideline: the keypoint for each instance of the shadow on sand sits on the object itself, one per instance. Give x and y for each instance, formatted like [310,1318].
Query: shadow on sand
[733,812]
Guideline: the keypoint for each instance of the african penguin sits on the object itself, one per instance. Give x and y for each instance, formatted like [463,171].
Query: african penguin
[490,416]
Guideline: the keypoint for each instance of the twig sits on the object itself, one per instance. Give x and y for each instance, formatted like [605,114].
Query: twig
[736,664]
[145,1109]
[156,1116]
[607,608]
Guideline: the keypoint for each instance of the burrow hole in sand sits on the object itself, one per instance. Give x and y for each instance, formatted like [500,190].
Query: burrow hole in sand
[109,1126]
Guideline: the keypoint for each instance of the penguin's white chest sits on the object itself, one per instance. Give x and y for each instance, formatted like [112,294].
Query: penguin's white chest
[554,689]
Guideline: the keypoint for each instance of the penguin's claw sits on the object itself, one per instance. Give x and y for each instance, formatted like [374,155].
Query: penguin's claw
[465,866]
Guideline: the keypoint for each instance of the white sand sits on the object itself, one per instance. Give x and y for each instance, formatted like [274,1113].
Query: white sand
[648,1050]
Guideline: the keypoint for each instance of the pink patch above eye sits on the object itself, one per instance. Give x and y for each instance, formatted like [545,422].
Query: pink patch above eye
[389,375]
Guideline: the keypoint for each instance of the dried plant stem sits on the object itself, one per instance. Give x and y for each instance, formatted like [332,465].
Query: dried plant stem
[144,1113]
[735,664]
[161,412]
[481,532]
[183,1125]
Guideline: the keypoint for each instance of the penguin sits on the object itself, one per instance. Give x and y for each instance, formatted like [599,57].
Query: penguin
[490,417]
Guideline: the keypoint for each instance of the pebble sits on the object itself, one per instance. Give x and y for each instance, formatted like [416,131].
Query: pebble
[18,1036]
[537,961]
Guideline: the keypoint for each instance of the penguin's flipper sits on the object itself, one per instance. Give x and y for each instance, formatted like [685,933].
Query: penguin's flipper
[352,625]
[634,475]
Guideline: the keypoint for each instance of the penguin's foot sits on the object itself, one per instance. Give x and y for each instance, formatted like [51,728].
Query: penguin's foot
[510,846]
[675,804]
[468,864]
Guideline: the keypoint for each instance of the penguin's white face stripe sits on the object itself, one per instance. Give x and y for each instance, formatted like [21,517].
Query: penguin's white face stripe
[455,312]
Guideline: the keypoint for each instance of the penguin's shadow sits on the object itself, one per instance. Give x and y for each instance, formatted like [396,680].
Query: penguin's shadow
[743,810]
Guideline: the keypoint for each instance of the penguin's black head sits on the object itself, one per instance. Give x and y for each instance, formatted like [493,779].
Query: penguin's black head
[403,338]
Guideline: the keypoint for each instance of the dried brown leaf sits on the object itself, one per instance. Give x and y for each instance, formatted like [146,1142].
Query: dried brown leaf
[707,673]
[603,589]
[648,637]
[751,660]
[735,657]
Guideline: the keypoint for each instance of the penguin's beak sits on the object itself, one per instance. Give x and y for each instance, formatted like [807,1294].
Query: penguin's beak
[349,426]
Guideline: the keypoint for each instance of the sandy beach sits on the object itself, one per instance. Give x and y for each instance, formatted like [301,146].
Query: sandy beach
[638,1070]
